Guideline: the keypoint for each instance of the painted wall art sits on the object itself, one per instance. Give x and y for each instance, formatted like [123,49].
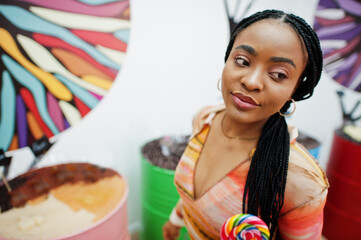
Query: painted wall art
[58,60]
[338,25]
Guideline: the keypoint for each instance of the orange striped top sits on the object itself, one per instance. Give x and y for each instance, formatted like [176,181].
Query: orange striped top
[301,216]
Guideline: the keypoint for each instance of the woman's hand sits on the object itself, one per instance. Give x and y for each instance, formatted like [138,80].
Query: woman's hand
[170,231]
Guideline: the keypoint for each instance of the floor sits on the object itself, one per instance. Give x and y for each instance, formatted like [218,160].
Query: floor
[135,236]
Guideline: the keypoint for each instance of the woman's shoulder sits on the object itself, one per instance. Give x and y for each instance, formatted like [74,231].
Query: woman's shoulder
[303,164]
[204,116]
[307,183]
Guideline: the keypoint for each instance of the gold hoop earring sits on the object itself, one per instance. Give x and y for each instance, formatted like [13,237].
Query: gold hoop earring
[218,87]
[293,111]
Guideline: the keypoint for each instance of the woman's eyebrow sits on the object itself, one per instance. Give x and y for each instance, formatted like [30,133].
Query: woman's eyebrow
[282,59]
[253,52]
[247,48]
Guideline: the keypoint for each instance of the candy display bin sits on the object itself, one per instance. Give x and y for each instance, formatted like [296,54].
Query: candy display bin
[58,197]
[159,196]
[113,227]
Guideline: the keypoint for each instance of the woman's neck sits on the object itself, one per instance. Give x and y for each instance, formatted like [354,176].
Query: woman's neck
[234,129]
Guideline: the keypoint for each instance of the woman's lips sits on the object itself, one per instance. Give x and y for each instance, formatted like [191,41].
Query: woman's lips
[244,101]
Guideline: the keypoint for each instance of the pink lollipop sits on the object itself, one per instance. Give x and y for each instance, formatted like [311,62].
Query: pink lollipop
[244,227]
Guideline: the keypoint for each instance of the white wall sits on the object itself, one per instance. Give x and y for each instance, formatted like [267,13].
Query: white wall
[174,59]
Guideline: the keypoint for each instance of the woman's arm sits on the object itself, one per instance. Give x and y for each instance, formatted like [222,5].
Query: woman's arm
[304,222]
[171,228]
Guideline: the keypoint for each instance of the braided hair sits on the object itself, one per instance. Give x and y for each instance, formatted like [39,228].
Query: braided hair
[266,180]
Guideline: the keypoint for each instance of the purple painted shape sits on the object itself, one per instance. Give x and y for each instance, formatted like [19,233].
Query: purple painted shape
[349,62]
[346,35]
[21,122]
[96,95]
[342,73]
[320,7]
[341,79]
[106,10]
[356,65]
[55,111]
[326,32]
[327,51]
[354,75]
[347,49]
[66,124]
[316,25]
[350,6]
[328,3]
[358,88]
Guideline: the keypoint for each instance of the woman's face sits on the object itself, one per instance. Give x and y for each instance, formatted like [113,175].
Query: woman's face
[262,71]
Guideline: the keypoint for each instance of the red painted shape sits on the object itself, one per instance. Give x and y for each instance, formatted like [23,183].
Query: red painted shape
[329,22]
[103,39]
[83,109]
[31,105]
[49,41]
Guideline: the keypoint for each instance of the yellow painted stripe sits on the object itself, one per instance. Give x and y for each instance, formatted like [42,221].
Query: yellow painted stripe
[98,81]
[51,83]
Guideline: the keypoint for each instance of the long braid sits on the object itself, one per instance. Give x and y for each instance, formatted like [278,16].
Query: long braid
[266,180]
[265,184]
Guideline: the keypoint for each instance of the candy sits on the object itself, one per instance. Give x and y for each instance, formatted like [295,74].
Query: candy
[244,227]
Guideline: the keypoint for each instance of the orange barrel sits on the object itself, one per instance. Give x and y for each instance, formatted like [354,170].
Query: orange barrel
[342,215]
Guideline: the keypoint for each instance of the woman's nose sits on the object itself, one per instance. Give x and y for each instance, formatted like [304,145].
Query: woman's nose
[253,80]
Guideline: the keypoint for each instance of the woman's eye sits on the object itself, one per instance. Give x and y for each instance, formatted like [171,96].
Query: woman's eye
[279,76]
[242,62]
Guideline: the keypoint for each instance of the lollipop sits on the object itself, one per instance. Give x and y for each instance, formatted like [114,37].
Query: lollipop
[244,227]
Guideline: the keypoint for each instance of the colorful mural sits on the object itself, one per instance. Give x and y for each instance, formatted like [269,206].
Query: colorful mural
[338,25]
[58,60]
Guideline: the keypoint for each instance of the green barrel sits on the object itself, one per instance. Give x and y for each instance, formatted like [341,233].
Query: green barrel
[159,196]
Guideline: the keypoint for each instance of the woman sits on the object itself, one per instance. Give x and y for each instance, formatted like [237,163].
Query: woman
[242,156]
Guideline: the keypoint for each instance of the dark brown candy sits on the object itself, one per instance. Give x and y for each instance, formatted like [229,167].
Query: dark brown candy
[152,151]
[18,198]
[38,182]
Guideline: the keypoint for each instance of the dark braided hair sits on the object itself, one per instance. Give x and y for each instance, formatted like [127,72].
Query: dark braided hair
[266,180]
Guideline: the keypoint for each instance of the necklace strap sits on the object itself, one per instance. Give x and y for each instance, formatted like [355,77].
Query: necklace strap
[235,138]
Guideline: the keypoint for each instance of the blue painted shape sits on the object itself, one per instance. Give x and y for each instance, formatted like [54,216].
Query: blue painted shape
[35,87]
[8,101]
[30,22]
[314,151]
[82,94]
[123,35]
